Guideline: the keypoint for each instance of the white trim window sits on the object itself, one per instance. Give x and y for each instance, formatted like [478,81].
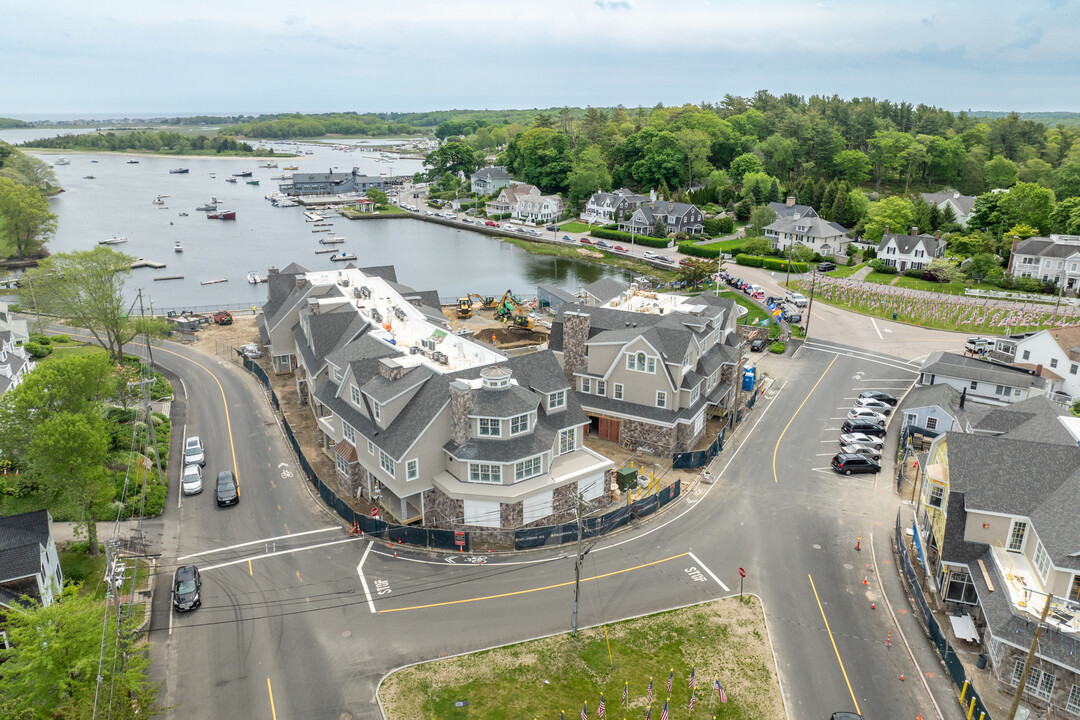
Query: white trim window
[617,391]
[695,394]
[586,385]
[370,447]
[484,473]
[1016,536]
[1073,703]
[556,399]
[567,441]
[386,463]
[1039,682]
[342,465]
[640,362]
[661,399]
[519,424]
[376,410]
[931,423]
[935,496]
[412,469]
[490,427]
[601,388]
[348,432]
[354,395]
[1042,560]
[528,468]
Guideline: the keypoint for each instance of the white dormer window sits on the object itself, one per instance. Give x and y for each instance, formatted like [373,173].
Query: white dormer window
[376,410]
[519,424]
[348,432]
[695,394]
[386,463]
[557,399]
[490,427]
[661,399]
[617,391]
[354,394]
[586,385]
[640,362]
[601,388]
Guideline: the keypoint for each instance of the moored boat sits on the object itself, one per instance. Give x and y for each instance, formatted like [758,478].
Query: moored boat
[255,278]
[222,215]
[178,171]
[132,162]
[178,247]
[341,257]
[232,180]
[114,240]
[63,161]
[252,182]
[246,173]
[335,240]
[291,167]
[269,165]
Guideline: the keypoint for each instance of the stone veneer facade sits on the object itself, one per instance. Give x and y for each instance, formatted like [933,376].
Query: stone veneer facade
[443,511]
[657,437]
[461,403]
[575,335]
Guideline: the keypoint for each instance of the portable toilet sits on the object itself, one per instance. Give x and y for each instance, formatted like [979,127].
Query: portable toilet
[748,377]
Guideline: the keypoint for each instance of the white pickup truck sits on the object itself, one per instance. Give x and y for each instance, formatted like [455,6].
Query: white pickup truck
[796,299]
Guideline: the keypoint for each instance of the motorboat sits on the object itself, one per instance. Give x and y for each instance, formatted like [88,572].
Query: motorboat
[252,182]
[65,161]
[291,167]
[246,173]
[335,240]
[232,180]
[255,278]
[178,247]
[341,257]
[269,165]
[114,240]
[178,171]
[183,214]
[222,215]
[132,162]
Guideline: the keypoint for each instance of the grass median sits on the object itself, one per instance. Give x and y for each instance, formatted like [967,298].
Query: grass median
[724,639]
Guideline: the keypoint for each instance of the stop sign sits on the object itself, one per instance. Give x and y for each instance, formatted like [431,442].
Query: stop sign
[374,512]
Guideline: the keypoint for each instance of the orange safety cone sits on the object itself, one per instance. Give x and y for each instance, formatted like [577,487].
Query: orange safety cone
[888,639]
[901,677]
[866,580]
[461,548]
[858,543]
[873,606]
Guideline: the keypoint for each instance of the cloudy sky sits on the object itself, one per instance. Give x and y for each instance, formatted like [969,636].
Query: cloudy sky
[108,58]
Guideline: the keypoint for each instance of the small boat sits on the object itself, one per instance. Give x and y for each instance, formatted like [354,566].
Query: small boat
[232,180]
[93,161]
[246,173]
[222,215]
[335,240]
[341,257]
[178,247]
[252,182]
[158,201]
[65,161]
[89,177]
[132,162]
[269,165]
[183,214]
[291,167]
[255,278]
[114,240]
[178,171]
[322,230]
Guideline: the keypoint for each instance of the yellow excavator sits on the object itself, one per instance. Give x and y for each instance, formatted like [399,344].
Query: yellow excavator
[465,304]
[508,305]
[523,323]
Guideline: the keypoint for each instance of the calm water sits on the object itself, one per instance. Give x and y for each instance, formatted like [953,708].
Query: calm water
[120,201]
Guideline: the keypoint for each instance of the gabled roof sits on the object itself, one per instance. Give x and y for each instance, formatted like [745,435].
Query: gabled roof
[504,403]
[784,210]
[944,396]
[1049,247]
[494,172]
[963,202]
[605,289]
[1036,419]
[333,177]
[558,293]
[812,226]
[21,539]
[960,366]
[383,390]
[905,244]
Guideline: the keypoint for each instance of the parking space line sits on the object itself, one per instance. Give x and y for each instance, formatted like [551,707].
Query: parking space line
[710,572]
[880,336]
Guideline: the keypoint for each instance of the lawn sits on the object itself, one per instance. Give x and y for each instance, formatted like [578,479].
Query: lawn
[60,351]
[844,271]
[725,246]
[956,287]
[574,227]
[541,678]
[90,571]
[755,315]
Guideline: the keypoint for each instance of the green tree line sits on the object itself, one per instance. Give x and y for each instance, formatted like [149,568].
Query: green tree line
[149,141]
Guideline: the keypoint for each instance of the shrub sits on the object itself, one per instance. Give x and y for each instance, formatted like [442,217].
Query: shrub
[727,226]
[697,251]
[886,269]
[778,264]
[618,235]
[61,339]
[748,260]
[913,273]
[40,339]
[37,350]
[499,216]
[712,227]
[778,348]
[155,501]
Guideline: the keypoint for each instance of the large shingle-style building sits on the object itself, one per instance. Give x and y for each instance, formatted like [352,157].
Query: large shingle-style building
[508,198]
[790,209]
[29,562]
[677,217]
[1054,259]
[489,179]
[15,362]
[961,204]
[436,427]
[910,252]
[611,207]
[648,378]
[1000,520]
[331,183]
[821,236]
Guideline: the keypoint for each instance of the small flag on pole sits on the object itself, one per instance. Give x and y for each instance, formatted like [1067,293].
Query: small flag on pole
[650,691]
[692,679]
[663,713]
[670,677]
[626,694]
[720,692]
[648,714]
[585,711]
[691,707]
[600,710]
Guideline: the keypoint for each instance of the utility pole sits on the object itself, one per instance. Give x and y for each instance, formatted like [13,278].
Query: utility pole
[577,565]
[810,306]
[1030,656]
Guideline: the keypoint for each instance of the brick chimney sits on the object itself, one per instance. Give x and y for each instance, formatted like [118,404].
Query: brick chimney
[391,369]
[461,403]
[1012,253]
[914,230]
[790,201]
[1038,369]
[575,334]
[886,232]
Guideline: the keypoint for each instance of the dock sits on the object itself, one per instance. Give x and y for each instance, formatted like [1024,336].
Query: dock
[313,216]
[141,263]
[321,251]
[214,282]
[169,277]
[323,230]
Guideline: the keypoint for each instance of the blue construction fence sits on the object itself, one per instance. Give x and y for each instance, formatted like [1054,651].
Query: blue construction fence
[933,629]
[423,537]
[594,526]
[699,458]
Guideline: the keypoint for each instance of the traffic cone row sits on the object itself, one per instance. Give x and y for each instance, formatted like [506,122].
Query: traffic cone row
[888,639]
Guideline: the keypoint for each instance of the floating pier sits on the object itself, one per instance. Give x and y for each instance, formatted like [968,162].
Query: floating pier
[141,263]
[169,277]
[214,282]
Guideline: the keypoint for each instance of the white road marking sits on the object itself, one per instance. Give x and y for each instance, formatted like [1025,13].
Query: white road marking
[257,542]
[171,614]
[710,572]
[180,495]
[826,454]
[880,337]
[280,552]
[363,581]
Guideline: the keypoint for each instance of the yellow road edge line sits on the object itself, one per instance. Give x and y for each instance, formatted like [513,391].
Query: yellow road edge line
[532,590]
[835,649]
[782,432]
[273,712]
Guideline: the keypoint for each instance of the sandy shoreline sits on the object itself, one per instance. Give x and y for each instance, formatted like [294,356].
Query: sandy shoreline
[132,153]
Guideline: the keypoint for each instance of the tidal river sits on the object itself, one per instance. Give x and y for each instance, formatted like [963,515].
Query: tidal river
[119,200]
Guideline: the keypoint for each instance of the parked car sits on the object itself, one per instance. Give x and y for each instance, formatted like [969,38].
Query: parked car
[185,589]
[491,223]
[666,259]
[226,492]
[978,345]
[847,463]
[602,244]
[650,255]
[685,262]
[772,300]
[586,241]
[757,293]
[865,450]
[796,299]
[758,344]
[567,238]
[193,451]
[748,288]
[865,427]
[191,480]
[875,405]
[859,438]
[792,314]
[878,395]
[858,413]
[552,228]
[619,248]
[826,266]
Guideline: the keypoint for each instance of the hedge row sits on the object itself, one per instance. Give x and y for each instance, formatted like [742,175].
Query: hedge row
[605,234]
[690,248]
[769,263]
[749,260]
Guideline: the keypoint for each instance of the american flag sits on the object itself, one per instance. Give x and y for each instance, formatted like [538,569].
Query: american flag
[626,694]
[600,710]
[670,677]
[692,679]
[650,691]
[663,713]
[648,714]
[585,711]
[691,708]
[720,692]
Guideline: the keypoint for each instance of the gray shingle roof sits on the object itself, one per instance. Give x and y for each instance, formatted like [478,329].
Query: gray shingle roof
[507,450]
[1046,247]
[559,293]
[968,368]
[1035,419]
[964,202]
[504,403]
[906,243]
[605,289]
[492,171]
[812,226]
[944,396]
[21,539]
[386,272]
[382,390]
[782,210]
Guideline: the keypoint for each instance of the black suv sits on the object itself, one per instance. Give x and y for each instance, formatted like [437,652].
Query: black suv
[226,491]
[826,266]
[864,427]
[878,395]
[848,463]
[185,592]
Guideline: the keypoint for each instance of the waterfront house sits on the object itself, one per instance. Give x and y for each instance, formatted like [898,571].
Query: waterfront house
[650,372]
[489,179]
[821,236]
[331,183]
[508,198]
[961,204]
[538,209]
[29,562]
[15,362]
[676,217]
[910,252]
[1051,259]
[790,209]
[983,380]
[605,208]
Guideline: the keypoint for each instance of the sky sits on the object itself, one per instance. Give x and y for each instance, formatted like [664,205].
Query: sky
[117,58]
